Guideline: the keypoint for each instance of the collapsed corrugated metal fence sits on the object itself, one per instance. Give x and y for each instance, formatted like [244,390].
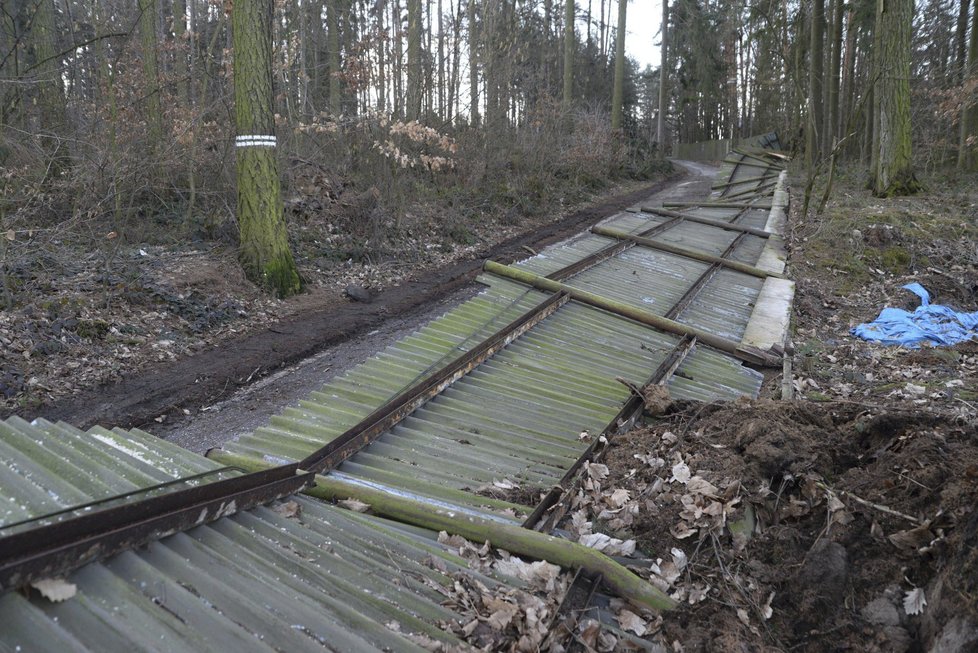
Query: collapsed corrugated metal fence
[500,388]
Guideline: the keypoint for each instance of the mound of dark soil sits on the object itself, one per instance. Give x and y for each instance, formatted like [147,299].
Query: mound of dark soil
[861,514]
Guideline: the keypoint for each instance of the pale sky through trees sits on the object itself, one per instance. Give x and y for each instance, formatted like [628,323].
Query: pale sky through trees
[642,35]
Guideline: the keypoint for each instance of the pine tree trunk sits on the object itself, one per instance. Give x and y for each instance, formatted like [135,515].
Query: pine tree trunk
[381,57]
[847,94]
[969,114]
[50,90]
[815,70]
[893,172]
[660,128]
[618,92]
[265,254]
[413,108]
[333,56]
[568,54]
[150,43]
[961,41]
[473,65]
[835,77]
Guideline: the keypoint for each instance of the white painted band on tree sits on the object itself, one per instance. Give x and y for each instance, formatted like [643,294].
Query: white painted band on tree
[255,140]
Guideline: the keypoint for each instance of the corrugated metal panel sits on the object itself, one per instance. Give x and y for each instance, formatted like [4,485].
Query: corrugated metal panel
[46,467]
[328,579]
[725,304]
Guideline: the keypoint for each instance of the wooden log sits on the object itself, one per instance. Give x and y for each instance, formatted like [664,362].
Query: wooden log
[708,221]
[510,537]
[682,251]
[748,354]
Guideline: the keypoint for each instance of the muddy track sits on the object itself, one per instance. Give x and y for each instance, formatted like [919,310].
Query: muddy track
[212,375]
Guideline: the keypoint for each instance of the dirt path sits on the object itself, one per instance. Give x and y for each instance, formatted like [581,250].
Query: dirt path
[234,387]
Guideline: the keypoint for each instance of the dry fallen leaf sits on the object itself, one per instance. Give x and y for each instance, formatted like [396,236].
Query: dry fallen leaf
[502,612]
[766,609]
[287,508]
[681,473]
[55,590]
[628,620]
[914,601]
[597,471]
[742,615]
[355,505]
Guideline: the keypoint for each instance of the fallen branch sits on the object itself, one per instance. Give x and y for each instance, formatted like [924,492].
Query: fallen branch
[510,537]
[869,504]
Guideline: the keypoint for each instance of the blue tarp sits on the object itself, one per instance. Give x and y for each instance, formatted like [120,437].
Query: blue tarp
[929,323]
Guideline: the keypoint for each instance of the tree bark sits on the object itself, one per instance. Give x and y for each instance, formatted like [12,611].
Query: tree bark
[835,78]
[618,92]
[473,65]
[568,54]
[333,56]
[893,172]
[50,89]
[815,70]
[264,254]
[660,130]
[969,113]
[413,108]
[961,41]
[847,93]
[153,111]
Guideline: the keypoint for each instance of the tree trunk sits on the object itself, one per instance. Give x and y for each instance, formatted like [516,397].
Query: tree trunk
[893,171]
[333,56]
[961,41]
[441,61]
[413,109]
[568,54]
[381,57]
[969,113]
[815,69]
[660,128]
[149,42]
[847,94]
[618,92]
[473,65]
[265,254]
[835,77]
[47,67]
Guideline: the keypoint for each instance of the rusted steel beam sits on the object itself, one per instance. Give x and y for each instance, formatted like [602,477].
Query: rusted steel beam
[576,602]
[387,416]
[684,252]
[66,513]
[55,549]
[680,306]
[707,221]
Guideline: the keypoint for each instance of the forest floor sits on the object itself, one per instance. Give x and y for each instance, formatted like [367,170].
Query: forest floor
[845,519]
[146,335]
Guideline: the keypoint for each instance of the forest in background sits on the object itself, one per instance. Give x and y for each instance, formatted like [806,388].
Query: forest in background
[401,117]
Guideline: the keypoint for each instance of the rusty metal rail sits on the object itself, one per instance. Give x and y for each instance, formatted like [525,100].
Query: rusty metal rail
[51,550]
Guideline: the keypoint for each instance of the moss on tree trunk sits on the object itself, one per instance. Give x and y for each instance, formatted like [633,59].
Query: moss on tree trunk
[892,173]
[265,254]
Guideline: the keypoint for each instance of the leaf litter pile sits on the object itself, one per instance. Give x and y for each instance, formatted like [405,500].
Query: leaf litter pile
[795,526]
